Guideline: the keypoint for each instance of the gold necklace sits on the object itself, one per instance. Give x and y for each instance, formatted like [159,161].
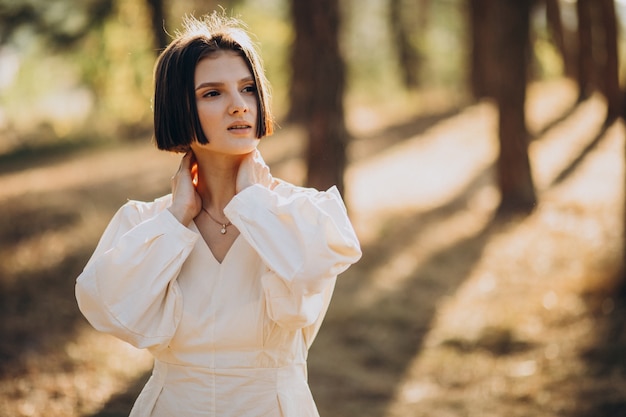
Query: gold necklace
[224,225]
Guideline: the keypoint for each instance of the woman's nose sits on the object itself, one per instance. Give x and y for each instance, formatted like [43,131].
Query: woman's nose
[238,105]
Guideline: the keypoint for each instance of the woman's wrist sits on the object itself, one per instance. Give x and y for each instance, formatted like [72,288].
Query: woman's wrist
[181,215]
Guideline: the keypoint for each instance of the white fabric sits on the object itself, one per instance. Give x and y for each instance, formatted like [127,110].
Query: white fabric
[230,339]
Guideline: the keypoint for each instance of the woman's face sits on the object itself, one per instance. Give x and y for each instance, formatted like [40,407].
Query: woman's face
[226,100]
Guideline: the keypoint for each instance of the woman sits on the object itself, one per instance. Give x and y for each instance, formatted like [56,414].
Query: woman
[227,279]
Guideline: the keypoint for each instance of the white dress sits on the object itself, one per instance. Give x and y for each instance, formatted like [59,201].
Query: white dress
[230,339]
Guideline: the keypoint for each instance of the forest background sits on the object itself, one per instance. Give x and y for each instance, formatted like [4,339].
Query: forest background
[488,193]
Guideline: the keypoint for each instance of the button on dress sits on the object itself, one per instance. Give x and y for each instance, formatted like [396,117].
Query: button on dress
[229,339]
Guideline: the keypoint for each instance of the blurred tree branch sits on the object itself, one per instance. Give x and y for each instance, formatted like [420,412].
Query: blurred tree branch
[60,23]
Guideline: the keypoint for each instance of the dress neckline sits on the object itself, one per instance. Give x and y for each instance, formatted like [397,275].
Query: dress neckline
[208,248]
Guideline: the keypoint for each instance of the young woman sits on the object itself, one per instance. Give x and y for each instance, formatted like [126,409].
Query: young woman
[227,279]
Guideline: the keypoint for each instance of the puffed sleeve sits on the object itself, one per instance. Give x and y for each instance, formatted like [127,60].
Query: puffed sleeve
[128,288]
[304,238]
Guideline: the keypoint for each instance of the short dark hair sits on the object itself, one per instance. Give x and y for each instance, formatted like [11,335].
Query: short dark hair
[176,122]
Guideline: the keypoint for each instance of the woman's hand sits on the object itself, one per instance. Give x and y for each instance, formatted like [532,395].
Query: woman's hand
[186,202]
[253,170]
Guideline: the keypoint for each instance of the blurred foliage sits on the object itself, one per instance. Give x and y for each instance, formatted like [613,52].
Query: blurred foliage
[440,41]
[82,69]
[119,72]
[93,82]
[61,23]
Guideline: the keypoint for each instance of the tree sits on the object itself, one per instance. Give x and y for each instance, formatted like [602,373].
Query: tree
[483,60]
[407,21]
[598,63]
[318,82]
[555,26]
[157,14]
[499,65]
[49,19]
[511,30]
[584,57]
[609,66]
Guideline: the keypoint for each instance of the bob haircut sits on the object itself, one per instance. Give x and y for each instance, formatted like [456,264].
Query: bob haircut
[176,122]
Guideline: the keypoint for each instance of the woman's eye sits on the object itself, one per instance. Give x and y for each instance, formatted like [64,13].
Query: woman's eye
[211,93]
[249,89]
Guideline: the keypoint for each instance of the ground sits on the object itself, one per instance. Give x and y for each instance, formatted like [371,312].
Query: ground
[451,311]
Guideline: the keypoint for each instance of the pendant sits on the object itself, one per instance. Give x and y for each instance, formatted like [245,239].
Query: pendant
[223,230]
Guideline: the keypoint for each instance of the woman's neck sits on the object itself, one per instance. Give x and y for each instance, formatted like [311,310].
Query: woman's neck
[216,182]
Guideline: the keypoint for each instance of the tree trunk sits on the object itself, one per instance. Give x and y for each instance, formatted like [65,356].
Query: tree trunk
[585,56]
[302,69]
[407,21]
[483,60]
[513,166]
[609,72]
[157,15]
[318,80]
[555,25]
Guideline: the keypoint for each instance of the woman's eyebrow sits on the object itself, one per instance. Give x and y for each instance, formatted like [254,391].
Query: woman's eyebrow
[219,84]
[209,84]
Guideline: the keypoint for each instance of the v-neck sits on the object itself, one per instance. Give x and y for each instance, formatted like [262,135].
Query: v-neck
[208,248]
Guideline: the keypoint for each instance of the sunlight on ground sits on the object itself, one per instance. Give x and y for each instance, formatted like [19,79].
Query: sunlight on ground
[100,366]
[425,171]
[93,350]
[565,142]
[565,250]
[391,276]
[117,163]
[422,173]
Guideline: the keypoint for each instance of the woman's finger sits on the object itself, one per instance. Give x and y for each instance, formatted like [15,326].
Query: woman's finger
[185,162]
